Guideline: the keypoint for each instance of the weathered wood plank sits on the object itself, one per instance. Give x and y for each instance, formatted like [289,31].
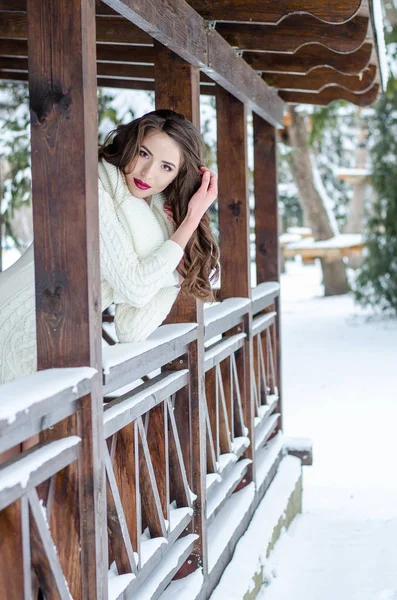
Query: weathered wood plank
[330,94]
[117,374]
[266,201]
[63,104]
[26,471]
[233,195]
[113,53]
[223,349]
[333,11]
[190,38]
[119,538]
[294,31]
[23,416]
[11,551]
[179,485]
[224,316]
[321,77]
[309,57]
[177,88]
[44,556]
[126,472]
[234,215]
[133,404]
[157,436]
[151,506]
[263,294]
[268,11]
[263,322]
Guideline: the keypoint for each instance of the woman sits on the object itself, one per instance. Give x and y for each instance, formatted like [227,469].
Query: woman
[155,236]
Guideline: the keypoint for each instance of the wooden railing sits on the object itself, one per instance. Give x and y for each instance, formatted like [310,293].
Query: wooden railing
[153,449]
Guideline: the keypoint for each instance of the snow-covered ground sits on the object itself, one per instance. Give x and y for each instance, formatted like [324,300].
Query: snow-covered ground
[340,376]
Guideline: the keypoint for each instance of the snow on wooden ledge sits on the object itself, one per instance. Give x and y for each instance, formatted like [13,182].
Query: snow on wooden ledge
[119,353]
[343,240]
[18,473]
[20,395]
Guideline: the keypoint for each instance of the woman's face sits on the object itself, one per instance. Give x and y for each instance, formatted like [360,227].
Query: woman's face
[157,164]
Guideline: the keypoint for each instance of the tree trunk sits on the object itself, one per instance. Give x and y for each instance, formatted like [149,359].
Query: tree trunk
[315,204]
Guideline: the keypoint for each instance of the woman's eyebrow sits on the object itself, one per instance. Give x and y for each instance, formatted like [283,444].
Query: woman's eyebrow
[151,154]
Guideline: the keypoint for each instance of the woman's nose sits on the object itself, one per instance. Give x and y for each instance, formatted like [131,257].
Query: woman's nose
[146,171]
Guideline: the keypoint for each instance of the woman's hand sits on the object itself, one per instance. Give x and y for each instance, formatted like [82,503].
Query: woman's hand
[198,205]
[205,195]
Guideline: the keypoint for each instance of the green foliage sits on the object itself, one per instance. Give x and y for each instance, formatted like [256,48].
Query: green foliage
[376,284]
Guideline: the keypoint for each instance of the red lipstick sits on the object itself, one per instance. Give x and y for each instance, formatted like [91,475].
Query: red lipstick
[141,185]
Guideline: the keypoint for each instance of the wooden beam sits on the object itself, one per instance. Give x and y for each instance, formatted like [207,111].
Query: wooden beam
[268,11]
[321,77]
[295,31]
[309,57]
[234,233]
[261,11]
[266,224]
[330,94]
[62,87]
[177,87]
[202,47]
[108,29]
[112,53]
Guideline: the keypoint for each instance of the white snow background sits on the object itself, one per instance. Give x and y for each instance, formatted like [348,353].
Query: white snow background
[339,388]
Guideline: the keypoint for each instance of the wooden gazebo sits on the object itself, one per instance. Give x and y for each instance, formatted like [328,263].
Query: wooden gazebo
[121,519]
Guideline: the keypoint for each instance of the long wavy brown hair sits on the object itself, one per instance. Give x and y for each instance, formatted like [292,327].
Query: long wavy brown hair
[200,266]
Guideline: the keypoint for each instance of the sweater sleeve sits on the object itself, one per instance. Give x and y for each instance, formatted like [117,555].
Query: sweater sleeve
[136,324]
[135,281]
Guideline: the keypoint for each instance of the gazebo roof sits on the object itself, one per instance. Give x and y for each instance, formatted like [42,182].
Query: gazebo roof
[305,51]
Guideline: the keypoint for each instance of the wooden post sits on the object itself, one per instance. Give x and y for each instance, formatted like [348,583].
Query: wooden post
[234,240]
[63,104]
[177,87]
[266,221]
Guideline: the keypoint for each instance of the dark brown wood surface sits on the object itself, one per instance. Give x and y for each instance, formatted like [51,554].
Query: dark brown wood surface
[321,77]
[266,208]
[188,36]
[233,207]
[295,31]
[62,86]
[266,224]
[234,238]
[308,57]
[11,568]
[177,88]
[330,94]
[269,11]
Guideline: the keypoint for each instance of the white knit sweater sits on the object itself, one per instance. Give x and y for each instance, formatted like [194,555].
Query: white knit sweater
[138,262]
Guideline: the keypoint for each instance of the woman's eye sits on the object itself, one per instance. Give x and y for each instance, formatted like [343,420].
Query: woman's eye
[142,153]
[167,167]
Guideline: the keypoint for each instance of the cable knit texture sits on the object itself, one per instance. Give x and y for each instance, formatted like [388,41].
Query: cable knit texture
[138,262]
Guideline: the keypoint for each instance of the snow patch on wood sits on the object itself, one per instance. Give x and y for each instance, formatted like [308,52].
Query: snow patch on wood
[119,353]
[117,584]
[21,394]
[250,552]
[19,473]
[186,588]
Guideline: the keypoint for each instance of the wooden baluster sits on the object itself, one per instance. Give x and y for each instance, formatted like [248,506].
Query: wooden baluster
[125,472]
[177,87]
[234,234]
[64,134]
[212,426]
[266,222]
[157,438]
[11,569]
